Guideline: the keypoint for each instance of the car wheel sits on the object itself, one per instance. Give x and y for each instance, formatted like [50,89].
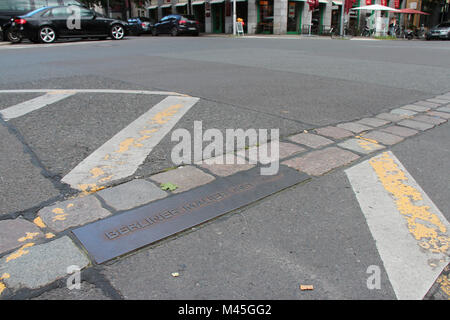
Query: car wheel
[13,37]
[47,34]
[117,32]
[174,32]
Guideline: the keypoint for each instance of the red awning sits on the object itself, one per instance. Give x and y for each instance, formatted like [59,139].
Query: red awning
[411,11]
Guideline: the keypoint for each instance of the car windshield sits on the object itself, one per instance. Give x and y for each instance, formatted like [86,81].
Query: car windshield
[189,17]
[444,25]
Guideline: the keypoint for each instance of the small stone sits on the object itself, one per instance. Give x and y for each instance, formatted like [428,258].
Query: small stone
[443,109]
[361,146]
[71,213]
[429,119]
[415,108]
[373,122]
[443,115]
[416,124]
[15,233]
[334,132]
[403,112]
[185,178]
[131,194]
[311,140]
[42,264]
[391,117]
[400,131]
[321,161]
[383,137]
[426,104]
[226,165]
[354,127]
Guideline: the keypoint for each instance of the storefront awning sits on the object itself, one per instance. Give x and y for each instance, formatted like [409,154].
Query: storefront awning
[216,1]
[152,7]
[196,3]
[337,3]
[297,0]
[181,4]
[166,5]
[323,1]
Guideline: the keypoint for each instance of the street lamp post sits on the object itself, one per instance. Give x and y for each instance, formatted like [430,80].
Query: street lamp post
[341,31]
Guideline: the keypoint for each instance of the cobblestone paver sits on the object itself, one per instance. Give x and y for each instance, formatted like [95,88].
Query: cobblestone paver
[334,132]
[185,178]
[14,233]
[400,131]
[373,122]
[360,145]
[311,140]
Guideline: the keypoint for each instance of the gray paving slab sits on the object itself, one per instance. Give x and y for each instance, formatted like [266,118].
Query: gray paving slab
[415,124]
[416,108]
[320,162]
[285,150]
[403,112]
[438,101]
[311,140]
[429,119]
[373,122]
[15,233]
[185,178]
[383,137]
[265,251]
[87,291]
[131,194]
[391,116]
[354,127]
[443,97]
[426,104]
[334,132]
[42,264]
[400,131]
[220,166]
[73,212]
[443,115]
[361,146]
[444,109]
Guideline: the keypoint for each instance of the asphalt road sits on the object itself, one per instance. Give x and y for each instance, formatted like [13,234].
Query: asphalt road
[312,233]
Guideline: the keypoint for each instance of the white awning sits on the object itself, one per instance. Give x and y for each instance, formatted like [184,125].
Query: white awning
[166,5]
[323,1]
[216,1]
[195,3]
[337,3]
[181,4]
[152,7]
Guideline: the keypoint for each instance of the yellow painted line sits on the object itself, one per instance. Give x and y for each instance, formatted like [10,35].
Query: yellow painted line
[425,226]
[411,234]
[49,235]
[20,252]
[121,156]
[2,285]
[38,221]
[29,236]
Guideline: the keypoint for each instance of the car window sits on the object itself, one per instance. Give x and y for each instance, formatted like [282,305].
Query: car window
[60,12]
[85,13]
[52,3]
[165,18]
[444,25]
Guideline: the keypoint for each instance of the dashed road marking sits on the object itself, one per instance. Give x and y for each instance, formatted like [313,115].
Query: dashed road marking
[23,108]
[411,234]
[121,155]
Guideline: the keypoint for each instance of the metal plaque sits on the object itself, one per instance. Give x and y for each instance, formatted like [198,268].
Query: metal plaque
[116,235]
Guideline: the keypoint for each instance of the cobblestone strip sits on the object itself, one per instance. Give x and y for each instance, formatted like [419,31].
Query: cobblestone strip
[30,257]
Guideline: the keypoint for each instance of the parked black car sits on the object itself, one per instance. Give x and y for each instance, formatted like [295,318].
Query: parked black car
[140,25]
[14,8]
[176,24]
[441,31]
[49,23]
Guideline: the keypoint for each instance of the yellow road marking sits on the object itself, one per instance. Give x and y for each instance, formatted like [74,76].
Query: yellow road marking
[39,223]
[424,226]
[29,236]
[19,252]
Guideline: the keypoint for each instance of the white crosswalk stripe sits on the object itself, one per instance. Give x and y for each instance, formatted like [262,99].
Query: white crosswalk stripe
[411,234]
